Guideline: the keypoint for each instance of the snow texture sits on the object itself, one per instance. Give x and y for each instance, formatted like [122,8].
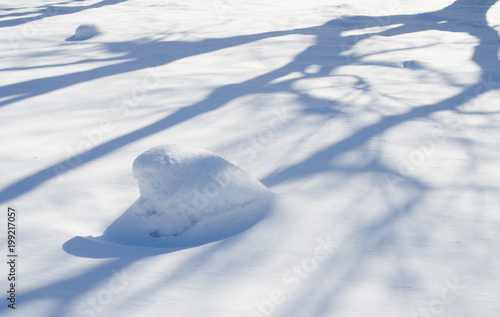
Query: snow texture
[188,196]
[375,123]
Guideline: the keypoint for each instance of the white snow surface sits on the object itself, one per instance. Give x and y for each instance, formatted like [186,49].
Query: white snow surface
[188,196]
[375,125]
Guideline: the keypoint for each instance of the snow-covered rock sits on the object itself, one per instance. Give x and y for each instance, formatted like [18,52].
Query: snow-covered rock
[188,196]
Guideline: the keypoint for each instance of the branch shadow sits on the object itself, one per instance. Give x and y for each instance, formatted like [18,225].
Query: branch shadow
[139,56]
[377,236]
[328,39]
[77,290]
[47,11]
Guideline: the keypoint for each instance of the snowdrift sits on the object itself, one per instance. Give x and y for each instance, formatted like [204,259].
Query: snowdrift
[84,32]
[188,197]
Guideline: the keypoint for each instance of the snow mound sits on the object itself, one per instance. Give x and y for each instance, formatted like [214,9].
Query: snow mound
[85,32]
[188,196]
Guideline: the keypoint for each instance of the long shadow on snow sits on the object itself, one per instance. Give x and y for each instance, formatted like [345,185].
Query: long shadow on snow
[77,290]
[484,56]
[154,54]
[144,55]
[47,11]
[379,236]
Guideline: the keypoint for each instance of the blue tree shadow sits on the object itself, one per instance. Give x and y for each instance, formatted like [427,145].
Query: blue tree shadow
[328,41]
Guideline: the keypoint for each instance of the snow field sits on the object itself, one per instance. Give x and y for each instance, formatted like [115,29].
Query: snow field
[388,145]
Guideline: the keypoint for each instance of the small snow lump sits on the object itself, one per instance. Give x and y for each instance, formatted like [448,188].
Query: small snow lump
[188,196]
[85,32]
